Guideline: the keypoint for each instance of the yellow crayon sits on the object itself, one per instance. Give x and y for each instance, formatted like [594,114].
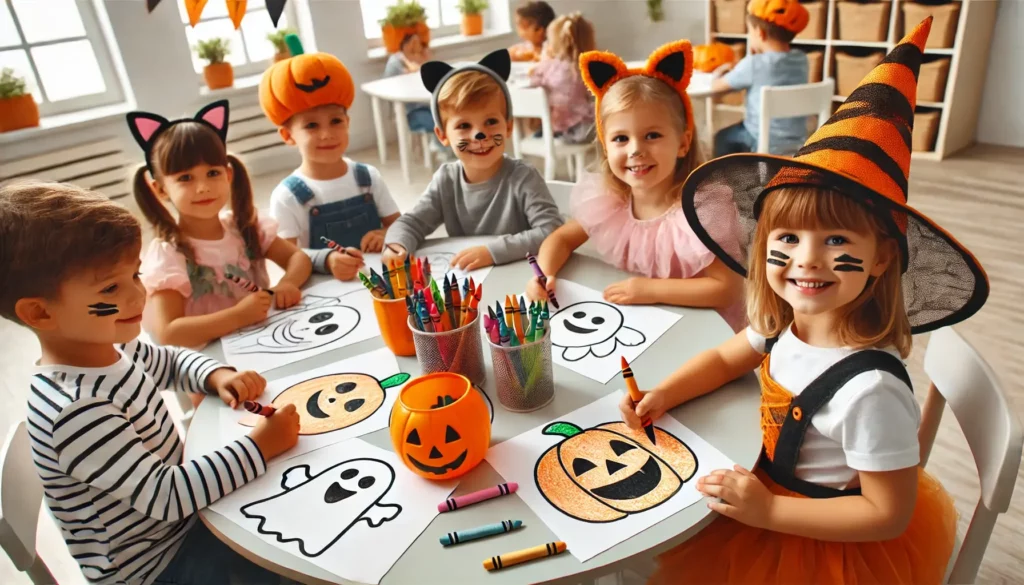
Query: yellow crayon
[522,556]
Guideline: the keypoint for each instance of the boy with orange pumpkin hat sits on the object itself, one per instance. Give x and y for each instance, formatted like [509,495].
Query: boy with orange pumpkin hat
[329,197]
[770,61]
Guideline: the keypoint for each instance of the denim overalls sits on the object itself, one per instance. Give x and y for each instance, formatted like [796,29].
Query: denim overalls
[346,221]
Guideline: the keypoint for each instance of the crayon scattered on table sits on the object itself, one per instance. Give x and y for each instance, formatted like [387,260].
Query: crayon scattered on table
[260,409]
[636,396]
[246,284]
[522,556]
[541,278]
[502,489]
[480,532]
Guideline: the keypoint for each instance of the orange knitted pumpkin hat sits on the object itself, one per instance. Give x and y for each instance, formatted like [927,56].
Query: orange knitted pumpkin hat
[303,82]
[863,152]
[788,14]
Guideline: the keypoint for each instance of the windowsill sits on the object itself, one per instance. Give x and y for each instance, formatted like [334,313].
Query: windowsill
[381,54]
[69,121]
[242,85]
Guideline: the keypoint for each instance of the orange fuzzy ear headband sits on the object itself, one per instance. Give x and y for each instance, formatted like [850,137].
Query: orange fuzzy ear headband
[671,63]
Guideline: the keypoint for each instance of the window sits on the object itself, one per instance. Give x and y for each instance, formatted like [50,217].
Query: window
[58,47]
[443,17]
[249,50]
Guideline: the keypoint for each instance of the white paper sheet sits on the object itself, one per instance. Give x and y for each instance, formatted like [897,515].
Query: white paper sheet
[351,508]
[589,334]
[327,318]
[337,402]
[595,482]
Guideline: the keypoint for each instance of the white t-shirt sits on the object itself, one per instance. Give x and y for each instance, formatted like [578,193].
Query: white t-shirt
[869,425]
[293,217]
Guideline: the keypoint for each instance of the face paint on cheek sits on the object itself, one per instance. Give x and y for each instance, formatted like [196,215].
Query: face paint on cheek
[777,254]
[498,139]
[103,309]
[462,145]
[848,264]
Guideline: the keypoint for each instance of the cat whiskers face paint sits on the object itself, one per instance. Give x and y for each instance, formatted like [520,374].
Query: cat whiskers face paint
[777,259]
[498,139]
[103,309]
[847,263]
[462,145]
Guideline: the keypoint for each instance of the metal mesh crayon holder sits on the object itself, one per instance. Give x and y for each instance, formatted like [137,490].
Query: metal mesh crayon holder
[458,351]
[523,374]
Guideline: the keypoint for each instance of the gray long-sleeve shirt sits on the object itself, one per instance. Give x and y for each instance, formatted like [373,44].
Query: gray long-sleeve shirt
[515,204]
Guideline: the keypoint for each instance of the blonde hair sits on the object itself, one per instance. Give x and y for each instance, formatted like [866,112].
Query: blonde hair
[464,90]
[877,317]
[569,35]
[635,92]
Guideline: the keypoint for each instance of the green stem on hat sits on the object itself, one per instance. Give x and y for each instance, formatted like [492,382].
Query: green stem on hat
[396,380]
[562,429]
[294,45]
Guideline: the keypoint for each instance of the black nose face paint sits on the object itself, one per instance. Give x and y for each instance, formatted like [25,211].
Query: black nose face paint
[777,254]
[480,136]
[103,309]
[848,263]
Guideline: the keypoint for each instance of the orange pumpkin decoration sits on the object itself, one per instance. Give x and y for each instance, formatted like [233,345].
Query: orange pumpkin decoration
[18,112]
[440,426]
[303,82]
[607,472]
[789,14]
[709,57]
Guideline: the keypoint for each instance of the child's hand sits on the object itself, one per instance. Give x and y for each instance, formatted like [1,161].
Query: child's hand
[286,295]
[234,387]
[393,252]
[722,70]
[277,433]
[536,292]
[744,498]
[253,308]
[345,266]
[372,242]
[626,292]
[652,405]
[473,258]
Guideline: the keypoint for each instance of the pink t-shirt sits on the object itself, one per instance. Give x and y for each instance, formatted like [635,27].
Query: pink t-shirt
[203,283]
[568,98]
[663,247]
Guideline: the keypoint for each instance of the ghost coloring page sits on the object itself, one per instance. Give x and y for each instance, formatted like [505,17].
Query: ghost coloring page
[351,508]
[589,334]
[329,316]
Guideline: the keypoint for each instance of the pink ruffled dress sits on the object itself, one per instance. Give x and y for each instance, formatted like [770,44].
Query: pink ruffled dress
[663,247]
[203,283]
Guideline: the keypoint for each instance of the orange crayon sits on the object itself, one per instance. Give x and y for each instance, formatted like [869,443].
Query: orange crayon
[636,396]
[522,556]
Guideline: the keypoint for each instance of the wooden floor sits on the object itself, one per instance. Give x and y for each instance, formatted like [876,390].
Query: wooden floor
[977,196]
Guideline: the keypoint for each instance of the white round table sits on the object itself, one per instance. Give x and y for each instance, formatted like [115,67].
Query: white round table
[727,418]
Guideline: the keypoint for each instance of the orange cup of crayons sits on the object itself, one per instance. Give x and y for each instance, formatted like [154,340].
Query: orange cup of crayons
[392,317]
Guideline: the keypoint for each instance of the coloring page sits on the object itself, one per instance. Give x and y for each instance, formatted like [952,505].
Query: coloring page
[351,508]
[346,399]
[326,318]
[595,482]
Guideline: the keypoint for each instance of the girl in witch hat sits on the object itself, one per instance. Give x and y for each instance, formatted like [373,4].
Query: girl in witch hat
[841,271]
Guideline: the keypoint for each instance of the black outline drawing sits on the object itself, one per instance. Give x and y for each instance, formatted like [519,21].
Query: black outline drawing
[572,477]
[280,329]
[570,356]
[361,516]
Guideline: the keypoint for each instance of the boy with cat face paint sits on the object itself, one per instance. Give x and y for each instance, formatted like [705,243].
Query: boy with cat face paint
[483,192]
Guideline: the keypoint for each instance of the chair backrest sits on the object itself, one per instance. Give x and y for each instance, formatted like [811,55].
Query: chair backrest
[560,192]
[21,493]
[961,377]
[789,101]
[532,102]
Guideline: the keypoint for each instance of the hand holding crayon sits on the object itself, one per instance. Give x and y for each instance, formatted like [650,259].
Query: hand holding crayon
[636,396]
[547,285]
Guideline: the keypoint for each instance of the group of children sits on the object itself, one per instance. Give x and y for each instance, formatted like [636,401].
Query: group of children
[825,240]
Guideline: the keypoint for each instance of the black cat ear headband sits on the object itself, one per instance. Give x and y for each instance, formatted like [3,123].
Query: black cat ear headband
[436,73]
[145,127]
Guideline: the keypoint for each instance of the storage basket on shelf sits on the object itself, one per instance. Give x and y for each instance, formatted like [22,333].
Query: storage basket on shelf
[931,81]
[943,27]
[815,66]
[731,16]
[863,21]
[926,128]
[850,69]
[816,12]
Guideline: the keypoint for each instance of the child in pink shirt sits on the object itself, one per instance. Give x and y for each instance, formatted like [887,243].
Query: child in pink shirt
[572,109]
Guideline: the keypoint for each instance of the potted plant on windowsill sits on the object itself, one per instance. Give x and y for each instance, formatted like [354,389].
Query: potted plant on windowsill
[472,17]
[404,18]
[276,38]
[18,108]
[219,73]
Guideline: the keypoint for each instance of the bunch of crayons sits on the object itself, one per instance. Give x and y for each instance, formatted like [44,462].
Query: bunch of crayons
[397,280]
[436,309]
[516,325]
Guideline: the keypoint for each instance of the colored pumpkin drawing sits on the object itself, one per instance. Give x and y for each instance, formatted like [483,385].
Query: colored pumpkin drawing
[605,473]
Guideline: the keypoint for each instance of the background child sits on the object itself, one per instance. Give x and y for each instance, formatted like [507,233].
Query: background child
[483,192]
[631,211]
[572,110]
[770,61]
[328,196]
[830,241]
[188,264]
[108,455]
[410,57]
[532,20]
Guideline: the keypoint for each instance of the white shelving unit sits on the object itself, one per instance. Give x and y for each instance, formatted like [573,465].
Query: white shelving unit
[962,100]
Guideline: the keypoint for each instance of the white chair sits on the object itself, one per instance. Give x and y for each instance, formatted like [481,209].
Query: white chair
[560,192]
[21,493]
[962,378]
[789,101]
[532,102]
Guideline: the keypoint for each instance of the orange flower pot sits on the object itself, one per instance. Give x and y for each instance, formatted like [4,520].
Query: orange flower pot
[392,36]
[18,112]
[219,75]
[472,24]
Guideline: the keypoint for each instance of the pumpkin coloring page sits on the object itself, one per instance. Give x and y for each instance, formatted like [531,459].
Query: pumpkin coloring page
[595,482]
[589,334]
[351,508]
[329,316]
[336,402]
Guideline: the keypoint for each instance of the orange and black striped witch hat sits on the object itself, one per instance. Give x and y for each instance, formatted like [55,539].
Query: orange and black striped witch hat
[863,152]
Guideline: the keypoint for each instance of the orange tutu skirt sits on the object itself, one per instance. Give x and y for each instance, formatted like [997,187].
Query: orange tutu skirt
[730,552]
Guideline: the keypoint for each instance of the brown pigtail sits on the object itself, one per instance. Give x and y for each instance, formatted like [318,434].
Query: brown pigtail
[157,215]
[243,208]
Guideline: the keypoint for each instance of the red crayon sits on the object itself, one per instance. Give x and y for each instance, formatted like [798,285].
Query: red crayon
[246,284]
[257,408]
[502,489]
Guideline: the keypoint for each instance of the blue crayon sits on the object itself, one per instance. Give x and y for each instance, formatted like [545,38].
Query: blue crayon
[480,532]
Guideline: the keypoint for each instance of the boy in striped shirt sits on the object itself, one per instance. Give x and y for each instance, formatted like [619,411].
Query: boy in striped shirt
[109,456]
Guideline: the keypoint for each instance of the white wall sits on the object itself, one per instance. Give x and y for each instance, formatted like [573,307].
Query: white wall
[622,26]
[1002,119]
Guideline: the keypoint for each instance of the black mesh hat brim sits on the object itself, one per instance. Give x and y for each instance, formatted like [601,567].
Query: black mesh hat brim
[943,283]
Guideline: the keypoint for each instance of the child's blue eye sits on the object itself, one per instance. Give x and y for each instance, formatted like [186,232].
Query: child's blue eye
[212,173]
[653,135]
[311,126]
[336,121]
[463,126]
[184,178]
[620,138]
[835,240]
[789,239]
[492,121]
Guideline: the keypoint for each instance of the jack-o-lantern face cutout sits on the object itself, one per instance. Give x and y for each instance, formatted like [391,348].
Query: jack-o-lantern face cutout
[334,402]
[709,57]
[607,472]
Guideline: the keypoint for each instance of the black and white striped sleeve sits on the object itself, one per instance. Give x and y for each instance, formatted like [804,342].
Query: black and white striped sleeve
[177,368]
[97,445]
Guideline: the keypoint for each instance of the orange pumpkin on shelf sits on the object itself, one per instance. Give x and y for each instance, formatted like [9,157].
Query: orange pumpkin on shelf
[709,57]
[607,472]
[302,82]
[440,426]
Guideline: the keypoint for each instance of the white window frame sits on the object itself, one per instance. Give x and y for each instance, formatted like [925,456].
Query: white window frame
[435,32]
[252,67]
[94,35]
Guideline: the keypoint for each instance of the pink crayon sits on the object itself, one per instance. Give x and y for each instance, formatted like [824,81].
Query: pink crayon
[502,489]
